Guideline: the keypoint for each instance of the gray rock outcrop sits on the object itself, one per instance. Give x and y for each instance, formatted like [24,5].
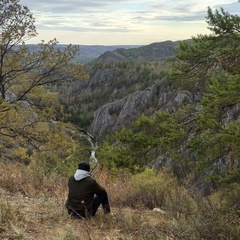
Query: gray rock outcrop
[112,116]
[120,113]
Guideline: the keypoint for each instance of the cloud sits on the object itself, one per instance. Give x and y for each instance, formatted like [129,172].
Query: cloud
[73,6]
[124,18]
[233,8]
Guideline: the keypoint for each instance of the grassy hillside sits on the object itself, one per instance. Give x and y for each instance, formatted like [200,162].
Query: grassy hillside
[32,206]
[50,221]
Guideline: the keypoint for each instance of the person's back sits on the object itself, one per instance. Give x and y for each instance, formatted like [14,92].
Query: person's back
[81,200]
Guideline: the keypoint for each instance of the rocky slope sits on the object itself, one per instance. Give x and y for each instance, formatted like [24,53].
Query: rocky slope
[115,115]
[123,84]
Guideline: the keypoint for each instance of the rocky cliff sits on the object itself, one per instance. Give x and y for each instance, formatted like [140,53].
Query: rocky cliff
[113,116]
[118,114]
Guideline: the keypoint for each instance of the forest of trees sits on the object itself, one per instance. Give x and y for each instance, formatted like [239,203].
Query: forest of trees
[198,139]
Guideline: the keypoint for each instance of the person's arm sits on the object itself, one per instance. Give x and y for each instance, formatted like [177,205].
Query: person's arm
[98,189]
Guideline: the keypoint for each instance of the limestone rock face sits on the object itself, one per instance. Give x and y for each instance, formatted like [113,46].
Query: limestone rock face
[112,116]
[120,113]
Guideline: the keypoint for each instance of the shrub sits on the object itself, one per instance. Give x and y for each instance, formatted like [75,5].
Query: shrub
[159,189]
[213,217]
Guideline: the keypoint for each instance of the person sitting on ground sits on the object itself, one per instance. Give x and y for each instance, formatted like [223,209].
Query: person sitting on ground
[85,194]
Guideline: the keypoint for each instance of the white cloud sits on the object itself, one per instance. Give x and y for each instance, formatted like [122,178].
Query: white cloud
[113,22]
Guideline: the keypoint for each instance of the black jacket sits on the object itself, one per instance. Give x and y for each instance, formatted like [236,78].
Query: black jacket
[82,191]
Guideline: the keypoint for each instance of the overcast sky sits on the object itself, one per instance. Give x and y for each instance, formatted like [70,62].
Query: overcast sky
[122,22]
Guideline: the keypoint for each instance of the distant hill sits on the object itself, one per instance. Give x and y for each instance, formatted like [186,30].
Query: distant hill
[115,75]
[120,53]
[154,51]
[88,52]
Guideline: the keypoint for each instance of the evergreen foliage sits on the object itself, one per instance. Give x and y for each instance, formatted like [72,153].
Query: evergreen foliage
[196,62]
[204,140]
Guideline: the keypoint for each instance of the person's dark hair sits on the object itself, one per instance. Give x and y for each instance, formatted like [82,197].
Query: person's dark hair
[84,166]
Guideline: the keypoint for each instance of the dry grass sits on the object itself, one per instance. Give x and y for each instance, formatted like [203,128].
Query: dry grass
[41,218]
[32,206]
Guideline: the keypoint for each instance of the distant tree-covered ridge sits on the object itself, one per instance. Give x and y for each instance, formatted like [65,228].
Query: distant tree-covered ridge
[86,53]
[151,52]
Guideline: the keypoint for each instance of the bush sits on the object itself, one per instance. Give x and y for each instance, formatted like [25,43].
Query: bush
[159,189]
[213,217]
[149,190]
